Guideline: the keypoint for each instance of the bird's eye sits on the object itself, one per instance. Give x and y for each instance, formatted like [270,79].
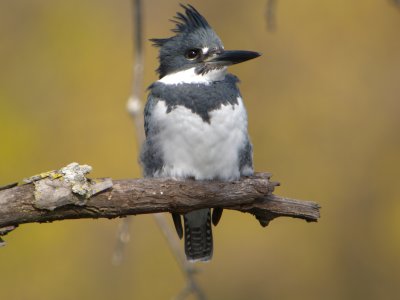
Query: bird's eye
[192,54]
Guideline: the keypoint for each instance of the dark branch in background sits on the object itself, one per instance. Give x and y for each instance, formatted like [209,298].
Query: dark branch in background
[270,15]
[54,198]
[396,2]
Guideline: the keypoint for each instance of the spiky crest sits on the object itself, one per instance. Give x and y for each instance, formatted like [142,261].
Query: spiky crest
[185,23]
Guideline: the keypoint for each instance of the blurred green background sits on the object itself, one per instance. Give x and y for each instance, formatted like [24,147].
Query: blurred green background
[324,116]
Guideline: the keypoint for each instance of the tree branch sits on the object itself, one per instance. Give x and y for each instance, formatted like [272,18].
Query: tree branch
[270,15]
[24,203]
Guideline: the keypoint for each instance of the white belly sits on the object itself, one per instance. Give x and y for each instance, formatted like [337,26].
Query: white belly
[194,148]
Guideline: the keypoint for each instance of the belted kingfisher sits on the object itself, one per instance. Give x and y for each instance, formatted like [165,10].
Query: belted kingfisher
[195,121]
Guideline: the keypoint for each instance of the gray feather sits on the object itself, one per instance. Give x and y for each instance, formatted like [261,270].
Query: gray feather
[246,157]
[151,157]
[201,99]
[198,235]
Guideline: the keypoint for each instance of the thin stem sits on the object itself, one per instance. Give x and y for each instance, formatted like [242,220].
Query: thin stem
[134,107]
[270,15]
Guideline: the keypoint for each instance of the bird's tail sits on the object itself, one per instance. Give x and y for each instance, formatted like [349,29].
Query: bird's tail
[198,235]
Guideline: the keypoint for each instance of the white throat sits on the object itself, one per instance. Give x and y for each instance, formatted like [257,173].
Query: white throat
[190,76]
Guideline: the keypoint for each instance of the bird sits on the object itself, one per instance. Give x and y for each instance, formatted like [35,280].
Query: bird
[195,121]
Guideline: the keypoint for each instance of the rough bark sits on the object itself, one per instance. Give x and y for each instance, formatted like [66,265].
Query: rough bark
[19,204]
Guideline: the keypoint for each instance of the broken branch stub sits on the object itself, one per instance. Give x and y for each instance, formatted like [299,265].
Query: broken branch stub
[68,185]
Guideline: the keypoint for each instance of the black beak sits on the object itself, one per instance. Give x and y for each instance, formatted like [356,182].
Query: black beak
[226,58]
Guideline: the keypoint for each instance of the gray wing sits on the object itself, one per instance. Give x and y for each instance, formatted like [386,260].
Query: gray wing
[150,157]
[246,159]
[148,109]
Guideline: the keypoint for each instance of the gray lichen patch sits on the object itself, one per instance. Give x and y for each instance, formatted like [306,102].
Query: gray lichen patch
[68,185]
[74,174]
[53,193]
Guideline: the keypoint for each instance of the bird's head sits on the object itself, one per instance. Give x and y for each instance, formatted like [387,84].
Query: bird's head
[195,45]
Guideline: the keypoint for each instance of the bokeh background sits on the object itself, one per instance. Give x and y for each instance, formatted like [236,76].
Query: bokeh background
[324,116]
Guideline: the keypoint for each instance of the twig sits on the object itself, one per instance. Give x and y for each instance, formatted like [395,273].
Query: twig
[270,15]
[188,269]
[134,104]
[134,107]
[123,237]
